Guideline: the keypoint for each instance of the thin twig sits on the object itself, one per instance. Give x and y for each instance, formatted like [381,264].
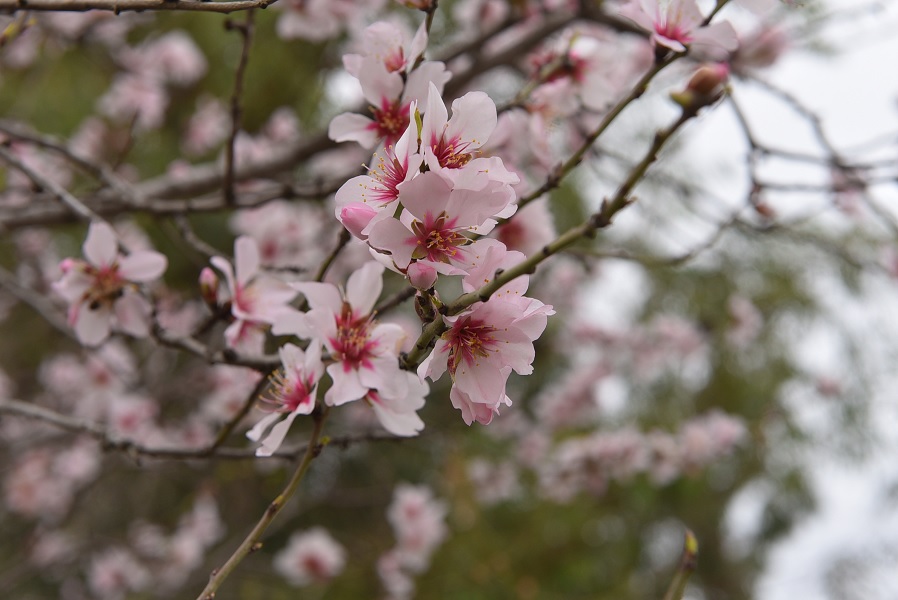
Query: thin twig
[251,543]
[685,569]
[58,192]
[246,31]
[40,303]
[120,6]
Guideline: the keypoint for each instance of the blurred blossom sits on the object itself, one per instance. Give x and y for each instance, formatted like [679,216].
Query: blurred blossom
[311,556]
[115,573]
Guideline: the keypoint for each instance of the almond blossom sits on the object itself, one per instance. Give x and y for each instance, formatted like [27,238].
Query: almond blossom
[390,96]
[310,557]
[434,225]
[678,24]
[293,394]
[256,299]
[102,290]
[365,353]
[481,348]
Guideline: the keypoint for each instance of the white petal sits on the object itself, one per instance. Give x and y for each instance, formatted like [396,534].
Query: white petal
[92,326]
[100,248]
[364,287]
[246,259]
[142,266]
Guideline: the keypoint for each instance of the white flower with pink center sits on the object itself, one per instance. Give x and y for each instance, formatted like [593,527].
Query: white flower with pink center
[388,43]
[390,97]
[481,348]
[102,290]
[375,194]
[310,557]
[292,394]
[365,354]
[256,299]
[677,25]
[435,223]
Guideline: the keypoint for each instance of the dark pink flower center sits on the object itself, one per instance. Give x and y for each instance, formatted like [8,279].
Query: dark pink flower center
[289,393]
[353,345]
[672,31]
[469,340]
[389,174]
[390,120]
[451,154]
[107,285]
[437,239]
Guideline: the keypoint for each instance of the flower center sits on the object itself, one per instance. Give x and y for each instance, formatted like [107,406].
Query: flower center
[289,393]
[439,241]
[469,341]
[390,120]
[107,285]
[353,345]
[451,154]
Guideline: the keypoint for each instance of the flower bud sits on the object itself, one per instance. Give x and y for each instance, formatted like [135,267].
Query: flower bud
[421,276]
[355,217]
[704,87]
[209,287]
[67,264]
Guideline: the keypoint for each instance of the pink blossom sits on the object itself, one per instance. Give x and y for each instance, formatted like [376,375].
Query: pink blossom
[310,557]
[481,348]
[133,97]
[365,353]
[418,521]
[116,572]
[390,97]
[293,393]
[388,43]
[366,199]
[101,291]
[256,299]
[435,222]
[208,127]
[677,24]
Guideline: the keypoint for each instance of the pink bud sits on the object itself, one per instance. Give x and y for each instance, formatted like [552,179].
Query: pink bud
[421,276]
[355,217]
[708,79]
[67,265]
[209,286]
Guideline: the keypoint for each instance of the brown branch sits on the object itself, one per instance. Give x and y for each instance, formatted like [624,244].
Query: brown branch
[251,543]
[136,450]
[246,32]
[120,6]
[40,303]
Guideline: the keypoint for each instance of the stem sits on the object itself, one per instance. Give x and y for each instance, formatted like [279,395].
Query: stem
[688,562]
[251,543]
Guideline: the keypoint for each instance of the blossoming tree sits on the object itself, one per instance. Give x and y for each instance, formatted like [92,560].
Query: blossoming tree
[293,227]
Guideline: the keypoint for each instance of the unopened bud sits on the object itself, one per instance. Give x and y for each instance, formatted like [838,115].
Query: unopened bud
[67,264]
[421,276]
[704,87]
[209,287]
[355,217]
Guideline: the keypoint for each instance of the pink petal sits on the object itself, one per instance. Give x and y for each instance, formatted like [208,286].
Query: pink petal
[353,127]
[435,116]
[346,388]
[92,326]
[132,312]
[364,287]
[246,259]
[100,248]
[473,119]
[142,266]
